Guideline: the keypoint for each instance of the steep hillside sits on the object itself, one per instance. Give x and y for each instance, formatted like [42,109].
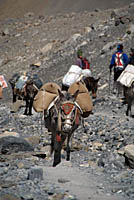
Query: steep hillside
[18,8]
[46,45]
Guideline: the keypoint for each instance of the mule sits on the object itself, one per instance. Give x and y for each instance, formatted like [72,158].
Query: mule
[63,119]
[27,93]
[30,91]
[129,98]
[91,84]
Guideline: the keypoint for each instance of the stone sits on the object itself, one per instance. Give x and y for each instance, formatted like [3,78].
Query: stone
[11,144]
[129,155]
[35,173]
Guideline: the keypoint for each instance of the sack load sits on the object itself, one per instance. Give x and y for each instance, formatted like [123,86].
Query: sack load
[21,82]
[14,79]
[83,98]
[37,81]
[72,76]
[47,93]
[127,76]
[86,73]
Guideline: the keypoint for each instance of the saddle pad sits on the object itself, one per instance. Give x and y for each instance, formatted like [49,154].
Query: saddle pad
[127,76]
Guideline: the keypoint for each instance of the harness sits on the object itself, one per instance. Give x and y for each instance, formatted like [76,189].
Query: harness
[67,107]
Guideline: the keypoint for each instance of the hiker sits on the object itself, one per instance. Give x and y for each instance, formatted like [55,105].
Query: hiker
[119,61]
[81,61]
[131,58]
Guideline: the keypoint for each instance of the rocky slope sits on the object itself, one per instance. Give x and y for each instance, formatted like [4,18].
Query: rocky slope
[47,45]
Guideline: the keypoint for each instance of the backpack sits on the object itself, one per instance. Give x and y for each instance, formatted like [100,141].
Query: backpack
[85,63]
[119,60]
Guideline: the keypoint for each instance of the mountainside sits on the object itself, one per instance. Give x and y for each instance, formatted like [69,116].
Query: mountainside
[46,45]
[18,8]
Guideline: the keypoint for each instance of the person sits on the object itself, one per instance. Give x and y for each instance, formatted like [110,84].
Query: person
[119,61]
[131,58]
[81,61]
[79,58]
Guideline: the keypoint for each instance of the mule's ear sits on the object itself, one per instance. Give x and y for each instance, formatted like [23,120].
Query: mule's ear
[61,95]
[98,79]
[76,94]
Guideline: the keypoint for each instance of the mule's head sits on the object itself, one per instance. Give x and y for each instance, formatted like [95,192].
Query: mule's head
[92,85]
[30,90]
[69,113]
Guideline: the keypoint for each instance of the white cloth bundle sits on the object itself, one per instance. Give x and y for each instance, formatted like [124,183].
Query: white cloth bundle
[73,75]
[127,76]
[86,73]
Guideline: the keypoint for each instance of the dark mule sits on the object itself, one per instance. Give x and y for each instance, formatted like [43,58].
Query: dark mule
[27,93]
[30,91]
[91,84]
[63,119]
[129,98]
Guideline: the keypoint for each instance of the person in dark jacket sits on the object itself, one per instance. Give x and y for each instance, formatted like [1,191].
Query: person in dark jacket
[131,58]
[118,62]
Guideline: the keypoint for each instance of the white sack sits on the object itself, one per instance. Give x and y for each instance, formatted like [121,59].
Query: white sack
[86,73]
[127,76]
[73,75]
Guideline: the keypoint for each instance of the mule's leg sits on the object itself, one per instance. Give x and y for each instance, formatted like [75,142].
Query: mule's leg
[14,98]
[68,150]
[57,150]
[128,110]
[57,153]
[26,108]
[14,95]
[58,142]
[30,107]
[52,144]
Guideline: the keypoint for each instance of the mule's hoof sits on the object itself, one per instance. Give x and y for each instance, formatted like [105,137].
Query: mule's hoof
[55,164]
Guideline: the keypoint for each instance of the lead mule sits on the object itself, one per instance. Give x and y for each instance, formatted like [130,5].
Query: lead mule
[62,119]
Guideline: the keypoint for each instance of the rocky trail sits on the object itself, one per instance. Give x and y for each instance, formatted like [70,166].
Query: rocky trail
[102,158]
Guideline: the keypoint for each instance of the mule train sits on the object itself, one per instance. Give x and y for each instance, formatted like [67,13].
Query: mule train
[63,113]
